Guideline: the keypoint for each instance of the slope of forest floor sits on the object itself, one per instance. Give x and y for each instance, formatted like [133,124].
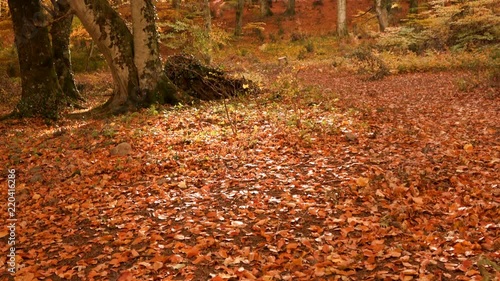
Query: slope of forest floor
[325,177]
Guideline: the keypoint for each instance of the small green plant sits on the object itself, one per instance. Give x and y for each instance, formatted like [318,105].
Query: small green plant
[260,34]
[153,110]
[462,25]
[95,134]
[309,46]
[273,38]
[369,64]
[243,52]
[108,132]
[297,36]
[302,54]
[466,84]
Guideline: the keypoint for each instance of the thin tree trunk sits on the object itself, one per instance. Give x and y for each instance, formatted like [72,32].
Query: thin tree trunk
[290,10]
[265,8]
[382,15]
[239,18]
[41,93]
[341,18]
[91,52]
[60,33]
[115,42]
[413,6]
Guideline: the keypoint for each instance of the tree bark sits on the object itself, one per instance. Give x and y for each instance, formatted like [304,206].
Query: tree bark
[413,6]
[290,10]
[239,18]
[41,93]
[208,32]
[382,14]
[341,18]
[265,8]
[115,42]
[60,33]
[147,53]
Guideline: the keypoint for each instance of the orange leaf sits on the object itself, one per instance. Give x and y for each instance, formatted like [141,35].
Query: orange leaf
[126,276]
[194,251]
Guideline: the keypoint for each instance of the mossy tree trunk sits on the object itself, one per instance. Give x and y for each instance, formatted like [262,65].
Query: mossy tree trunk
[41,93]
[413,6]
[60,33]
[153,83]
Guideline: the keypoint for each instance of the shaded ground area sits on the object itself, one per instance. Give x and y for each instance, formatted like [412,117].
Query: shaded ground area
[343,180]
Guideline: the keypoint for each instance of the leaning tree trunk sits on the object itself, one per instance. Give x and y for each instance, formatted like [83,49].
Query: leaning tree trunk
[40,89]
[60,33]
[265,8]
[115,42]
[341,18]
[239,18]
[382,15]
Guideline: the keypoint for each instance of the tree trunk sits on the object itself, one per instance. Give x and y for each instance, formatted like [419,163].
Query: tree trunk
[265,8]
[341,18]
[382,15]
[146,49]
[147,53]
[239,18]
[290,10]
[60,33]
[115,42]
[207,53]
[41,93]
[175,4]
[413,6]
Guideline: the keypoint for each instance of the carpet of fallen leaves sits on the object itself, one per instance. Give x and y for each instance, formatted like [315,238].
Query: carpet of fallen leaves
[343,179]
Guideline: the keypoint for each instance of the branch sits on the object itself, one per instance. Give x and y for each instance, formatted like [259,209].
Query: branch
[367,11]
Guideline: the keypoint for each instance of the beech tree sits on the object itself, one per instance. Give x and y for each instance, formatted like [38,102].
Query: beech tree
[133,59]
[341,18]
[265,8]
[290,9]
[239,18]
[413,6]
[382,14]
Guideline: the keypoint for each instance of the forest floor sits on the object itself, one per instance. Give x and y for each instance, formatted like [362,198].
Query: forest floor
[332,178]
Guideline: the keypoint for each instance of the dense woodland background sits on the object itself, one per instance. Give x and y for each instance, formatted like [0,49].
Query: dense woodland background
[313,153]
